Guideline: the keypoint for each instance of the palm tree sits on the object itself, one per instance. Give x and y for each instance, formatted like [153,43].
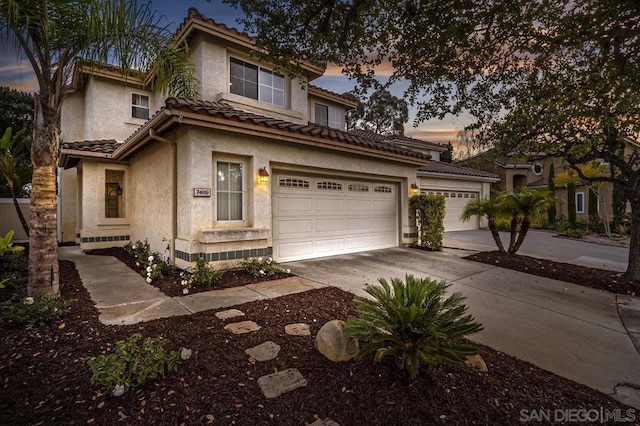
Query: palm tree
[492,208]
[524,205]
[11,161]
[54,36]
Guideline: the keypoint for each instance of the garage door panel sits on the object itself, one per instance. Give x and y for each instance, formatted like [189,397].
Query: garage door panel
[293,205]
[344,218]
[288,228]
[357,206]
[329,225]
[327,246]
[295,249]
[355,224]
[329,205]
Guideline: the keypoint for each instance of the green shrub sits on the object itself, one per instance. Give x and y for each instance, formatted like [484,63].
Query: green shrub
[201,274]
[429,211]
[6,246]
[39,311]
[575,233]
[132,363]
[259,267]
[413,323]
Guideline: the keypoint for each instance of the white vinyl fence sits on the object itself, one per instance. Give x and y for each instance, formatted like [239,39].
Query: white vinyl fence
[9,218]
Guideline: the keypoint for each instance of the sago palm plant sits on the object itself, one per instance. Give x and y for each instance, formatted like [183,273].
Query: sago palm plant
[412,322]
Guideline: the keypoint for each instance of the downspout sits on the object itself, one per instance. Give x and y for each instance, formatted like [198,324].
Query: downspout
[174,189]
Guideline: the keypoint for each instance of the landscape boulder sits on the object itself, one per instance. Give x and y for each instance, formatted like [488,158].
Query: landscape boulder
[477,363]
[333,343]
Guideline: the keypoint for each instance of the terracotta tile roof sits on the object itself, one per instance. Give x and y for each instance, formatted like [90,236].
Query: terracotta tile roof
[452,169]
[352,100]
[540,182]
[194,14]
[391,139]
[224,110]
[105,146]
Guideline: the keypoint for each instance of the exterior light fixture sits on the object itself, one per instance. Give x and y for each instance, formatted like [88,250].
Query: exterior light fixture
[413,190]
[263,175]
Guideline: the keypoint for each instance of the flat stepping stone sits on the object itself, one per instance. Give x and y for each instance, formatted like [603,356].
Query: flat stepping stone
[276,384]
[229,313]
[264,352]
[325,422]
[299,329]
[242,327]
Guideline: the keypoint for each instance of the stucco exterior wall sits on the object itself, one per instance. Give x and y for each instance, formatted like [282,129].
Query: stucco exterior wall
[72,120]
[97,231]
[200,149]
[152,197]
[107,111]
[68,204]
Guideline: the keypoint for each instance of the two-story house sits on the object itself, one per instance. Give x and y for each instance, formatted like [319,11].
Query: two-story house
[260,166]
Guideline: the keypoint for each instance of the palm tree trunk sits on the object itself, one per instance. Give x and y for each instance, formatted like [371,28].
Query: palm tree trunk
[17,206]
[513,233]
[524,228]
[496,235]
[43,247]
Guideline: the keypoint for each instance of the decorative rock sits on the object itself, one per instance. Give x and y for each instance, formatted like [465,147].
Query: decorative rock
[274,385]
[333,343]
[325,422]
[242,327]
[229,313]
[264,352]
[185,354]
[118,390]
[477,363]
[299,329]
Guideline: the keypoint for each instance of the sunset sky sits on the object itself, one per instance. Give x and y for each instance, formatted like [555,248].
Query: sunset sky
[16,72]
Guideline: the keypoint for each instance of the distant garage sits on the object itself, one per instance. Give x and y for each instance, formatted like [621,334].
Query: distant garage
[454,205]
[315,216]
[458,185]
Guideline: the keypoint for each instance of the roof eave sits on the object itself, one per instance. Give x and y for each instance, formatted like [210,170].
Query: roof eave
[458,176]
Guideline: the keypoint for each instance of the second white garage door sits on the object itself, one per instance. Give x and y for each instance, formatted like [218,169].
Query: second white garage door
[325,216]
[455,201]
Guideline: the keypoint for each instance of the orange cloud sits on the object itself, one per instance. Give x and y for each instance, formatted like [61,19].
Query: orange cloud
[433,135]
[384,69]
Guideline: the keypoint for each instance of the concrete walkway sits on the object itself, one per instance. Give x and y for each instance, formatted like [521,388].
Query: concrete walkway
[573,331]
[123,297]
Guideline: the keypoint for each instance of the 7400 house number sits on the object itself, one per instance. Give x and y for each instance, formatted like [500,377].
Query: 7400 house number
[202,192]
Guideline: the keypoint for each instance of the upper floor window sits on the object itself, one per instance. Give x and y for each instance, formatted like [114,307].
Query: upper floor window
[255,82]
[328,116]
[139,106]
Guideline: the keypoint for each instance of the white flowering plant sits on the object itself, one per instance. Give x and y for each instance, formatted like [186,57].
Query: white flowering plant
[262,267]
[200,274]
[151,264]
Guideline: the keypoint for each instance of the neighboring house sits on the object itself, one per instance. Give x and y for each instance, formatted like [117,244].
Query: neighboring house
[518,173]
[262,166]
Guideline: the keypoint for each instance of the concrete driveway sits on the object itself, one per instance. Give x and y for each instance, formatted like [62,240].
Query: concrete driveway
[573,331]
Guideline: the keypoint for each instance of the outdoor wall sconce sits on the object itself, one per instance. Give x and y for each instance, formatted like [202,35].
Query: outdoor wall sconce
[263,175]
[413,190]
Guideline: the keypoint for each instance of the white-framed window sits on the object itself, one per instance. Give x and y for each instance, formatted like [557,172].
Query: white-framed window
[252,81]
[229,191]
[328,116]
[579,202]
[139,106]
[113,194]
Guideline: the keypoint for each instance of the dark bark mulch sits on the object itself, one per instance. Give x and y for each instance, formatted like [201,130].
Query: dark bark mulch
[600,279]
[44,378]
[171,284]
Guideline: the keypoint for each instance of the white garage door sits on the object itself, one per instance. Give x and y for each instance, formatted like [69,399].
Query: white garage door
[324,216]
[454,204]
